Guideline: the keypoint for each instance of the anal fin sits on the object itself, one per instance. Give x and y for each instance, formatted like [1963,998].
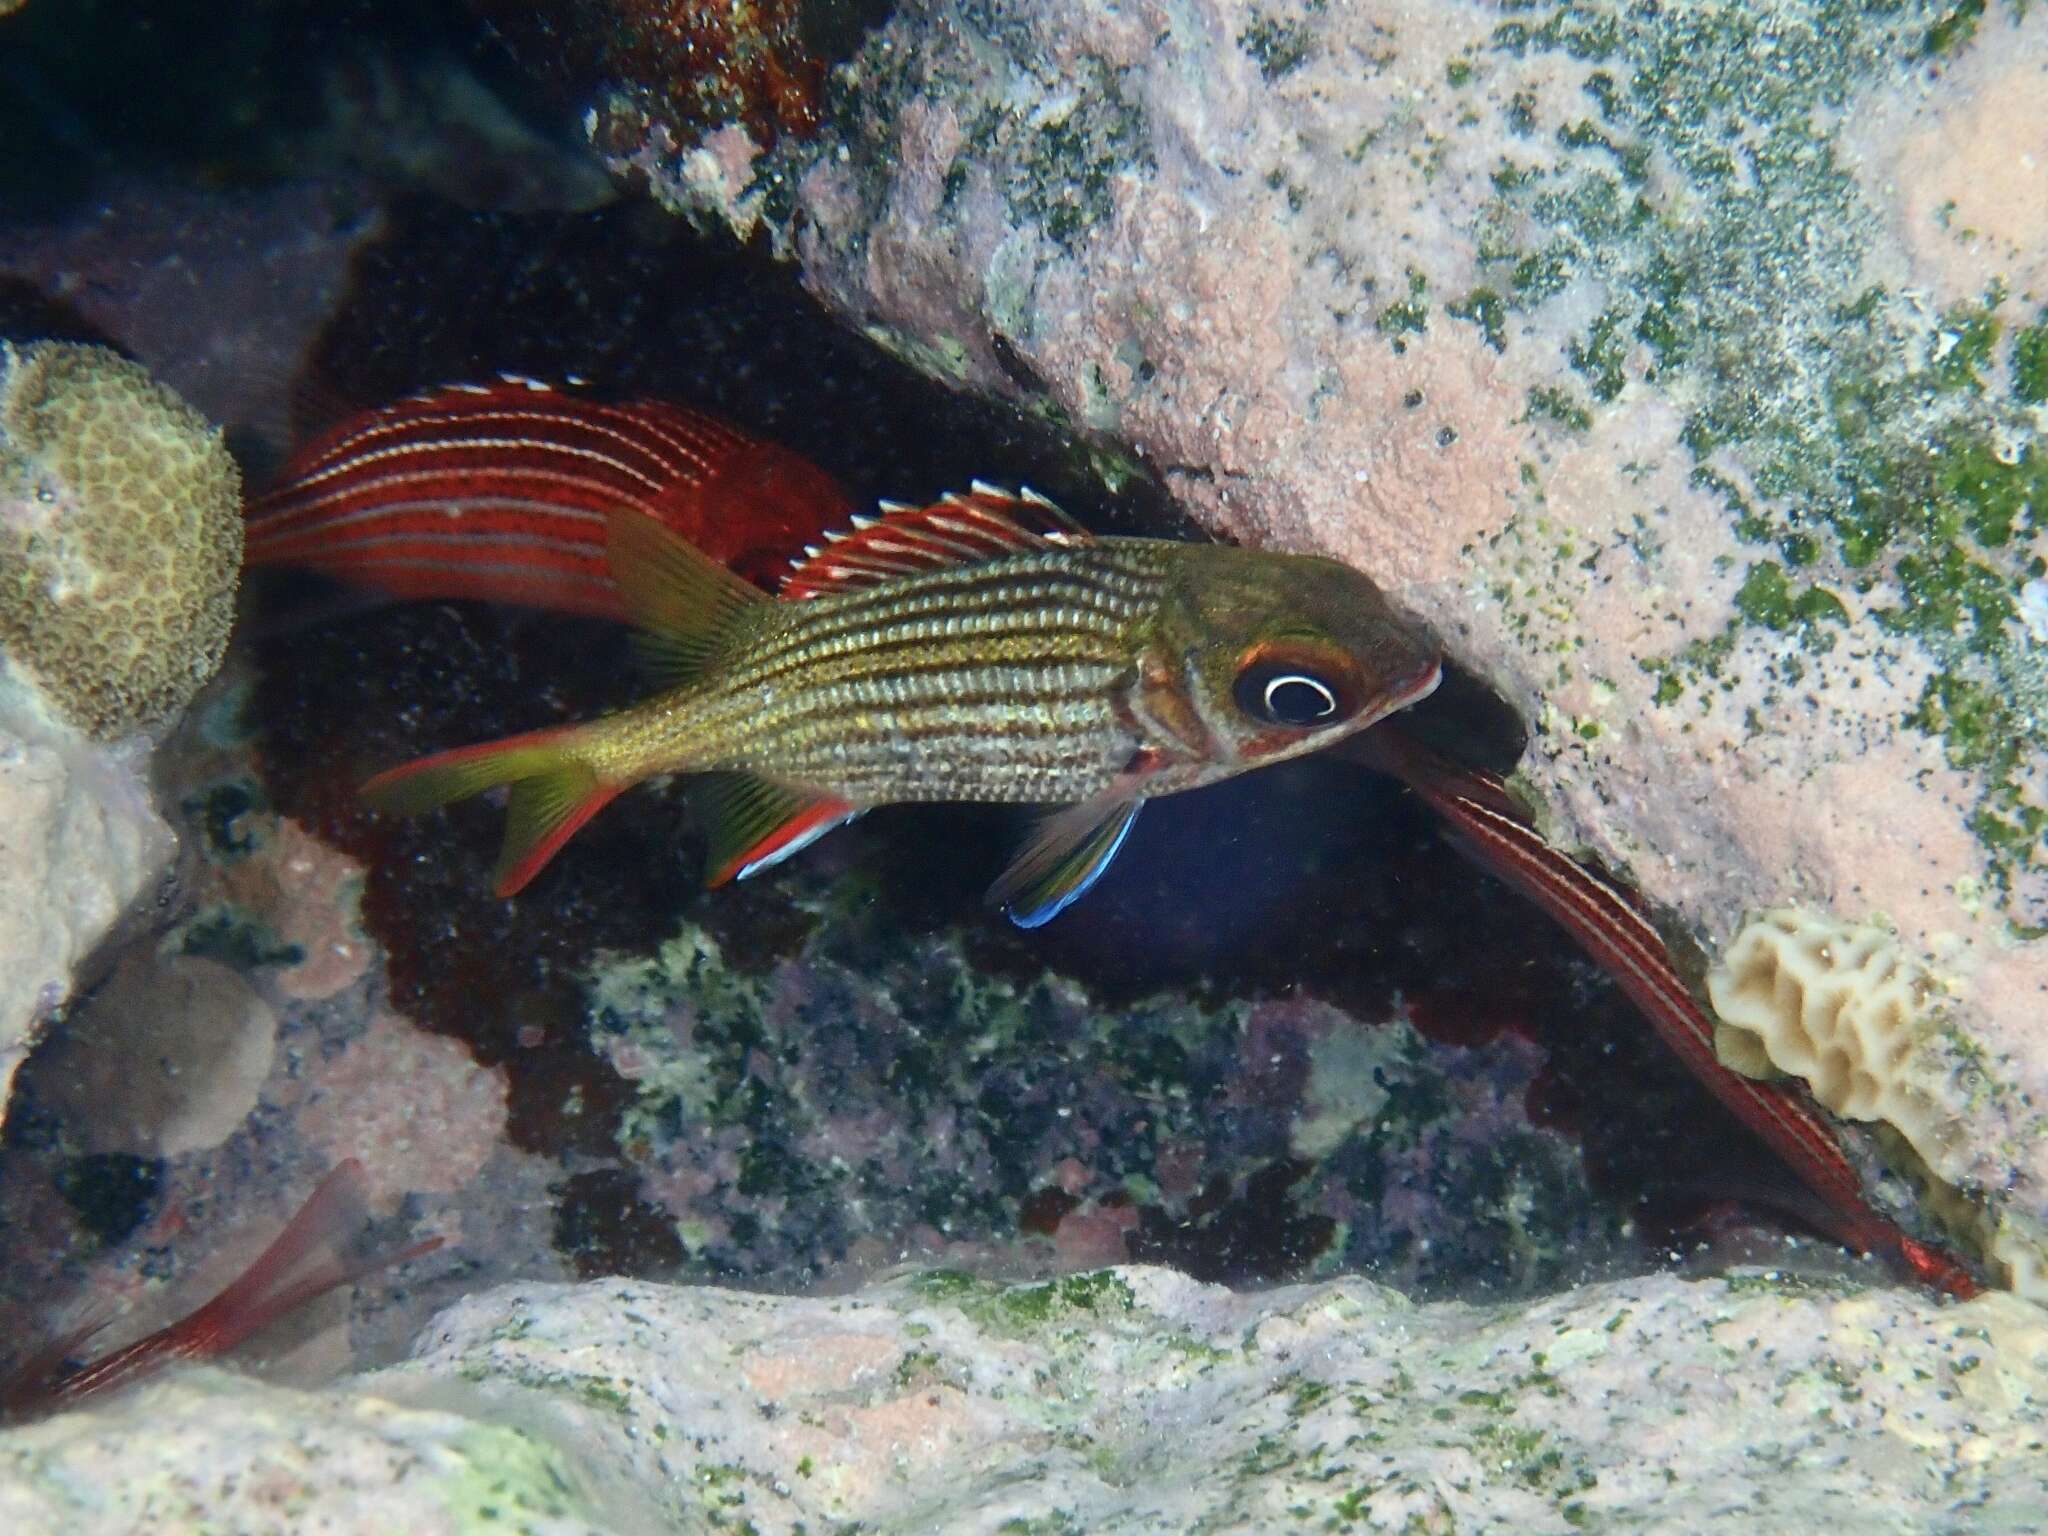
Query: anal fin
[545,811]
[1063,858]
[755,824]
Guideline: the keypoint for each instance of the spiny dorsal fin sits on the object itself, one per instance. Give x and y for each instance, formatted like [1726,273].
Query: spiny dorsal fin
[469,395]
[984,523]
[683,602]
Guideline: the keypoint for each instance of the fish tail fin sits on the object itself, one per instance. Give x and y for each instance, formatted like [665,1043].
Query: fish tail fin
[684,603]
[554,792]
[305,1260]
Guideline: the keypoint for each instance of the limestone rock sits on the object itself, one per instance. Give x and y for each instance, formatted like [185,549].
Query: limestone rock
[1131,1400]
[80,840]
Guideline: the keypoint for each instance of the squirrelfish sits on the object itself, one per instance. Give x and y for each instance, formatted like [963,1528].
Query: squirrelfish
[500,491]
[984,648]
[306,1260]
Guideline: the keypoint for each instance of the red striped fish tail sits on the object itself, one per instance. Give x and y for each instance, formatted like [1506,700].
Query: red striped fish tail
[301,1263]
[1610,925]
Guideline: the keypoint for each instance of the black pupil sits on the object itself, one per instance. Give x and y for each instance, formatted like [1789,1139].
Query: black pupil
[1297,701]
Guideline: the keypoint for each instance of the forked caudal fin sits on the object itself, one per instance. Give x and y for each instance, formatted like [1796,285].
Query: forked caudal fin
[685,604]
[554,792]
[304,1261]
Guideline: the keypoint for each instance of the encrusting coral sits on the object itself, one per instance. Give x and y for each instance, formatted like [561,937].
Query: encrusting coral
[120,536]
[1842,1007]
[1835,1004]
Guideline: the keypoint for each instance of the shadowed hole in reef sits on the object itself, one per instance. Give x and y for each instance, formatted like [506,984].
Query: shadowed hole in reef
[112,1192]
[1314,880]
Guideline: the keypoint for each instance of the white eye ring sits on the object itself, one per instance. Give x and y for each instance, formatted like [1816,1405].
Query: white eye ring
[1274,685]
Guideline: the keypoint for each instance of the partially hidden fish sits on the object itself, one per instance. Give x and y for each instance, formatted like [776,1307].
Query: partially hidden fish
[1610,924]
[302,1263]
[985,648]
[481,560]
[500,492]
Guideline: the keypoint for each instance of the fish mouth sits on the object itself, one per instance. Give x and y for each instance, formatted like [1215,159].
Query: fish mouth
[1412,690]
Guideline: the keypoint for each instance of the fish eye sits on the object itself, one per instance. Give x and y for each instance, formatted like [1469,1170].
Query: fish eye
[1296,699]
[1283,691]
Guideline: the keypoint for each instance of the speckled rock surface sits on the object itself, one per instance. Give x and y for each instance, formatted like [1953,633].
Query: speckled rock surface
[1684,366]
[1131,1400]
[80,839]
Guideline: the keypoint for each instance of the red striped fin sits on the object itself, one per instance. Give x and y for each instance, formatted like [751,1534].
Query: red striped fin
[501,492]
[1609,923]
[279,1282]
[984,524]
[755,824]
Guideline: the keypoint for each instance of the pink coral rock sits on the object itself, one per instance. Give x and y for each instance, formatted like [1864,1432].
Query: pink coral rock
[309,894]
[414,1108]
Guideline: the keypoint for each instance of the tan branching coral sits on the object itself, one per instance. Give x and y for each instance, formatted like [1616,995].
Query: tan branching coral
[120,536]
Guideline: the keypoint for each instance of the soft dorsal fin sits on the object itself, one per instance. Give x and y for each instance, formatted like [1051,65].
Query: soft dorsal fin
[985,523]
[683,602]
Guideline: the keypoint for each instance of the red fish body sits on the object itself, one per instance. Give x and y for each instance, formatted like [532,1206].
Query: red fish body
[500,492]
[1609,924]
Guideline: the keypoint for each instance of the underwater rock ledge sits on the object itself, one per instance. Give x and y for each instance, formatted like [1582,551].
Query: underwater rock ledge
[1686,368]
[1124,1400]
[80,841]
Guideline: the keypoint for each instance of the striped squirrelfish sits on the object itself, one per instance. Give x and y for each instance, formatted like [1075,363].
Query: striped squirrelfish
[985,648]
[303,1262]
[500,491]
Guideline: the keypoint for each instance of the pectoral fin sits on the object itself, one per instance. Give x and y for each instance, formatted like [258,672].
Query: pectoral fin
[1064,857]
[755,824]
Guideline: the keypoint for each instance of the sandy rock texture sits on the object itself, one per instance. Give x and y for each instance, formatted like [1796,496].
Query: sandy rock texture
[1129,1400]
[1684,367]
[80,840]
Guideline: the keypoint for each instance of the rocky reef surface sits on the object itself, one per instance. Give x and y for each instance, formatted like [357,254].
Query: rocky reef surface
[1684,366]
[814,1075]
[80,842]
[120,548]
[1119,1400]
[1458,292]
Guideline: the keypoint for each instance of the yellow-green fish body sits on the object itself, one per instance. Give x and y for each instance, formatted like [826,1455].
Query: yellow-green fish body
[979,650]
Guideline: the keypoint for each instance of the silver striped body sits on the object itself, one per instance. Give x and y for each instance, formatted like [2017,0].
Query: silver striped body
[1000,681]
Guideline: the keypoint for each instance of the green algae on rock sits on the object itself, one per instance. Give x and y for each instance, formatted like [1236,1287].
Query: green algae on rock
[121,532]
[871,1092]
